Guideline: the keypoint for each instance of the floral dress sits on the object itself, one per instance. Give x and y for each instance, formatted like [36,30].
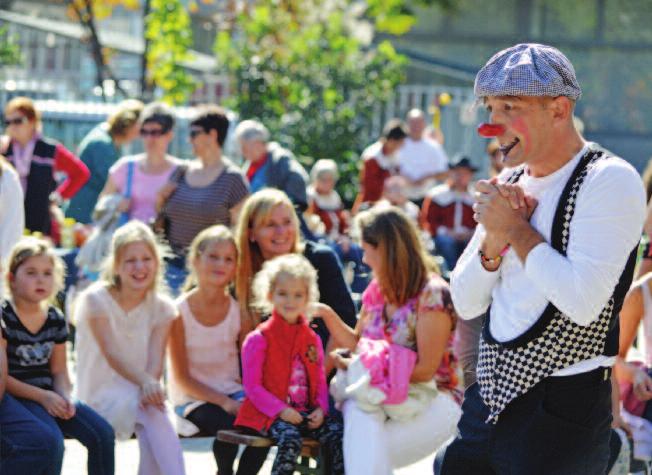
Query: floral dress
[400,328]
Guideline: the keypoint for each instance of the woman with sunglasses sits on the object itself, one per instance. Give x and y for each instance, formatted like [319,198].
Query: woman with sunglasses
[150,170]
[210,192]
[36,159]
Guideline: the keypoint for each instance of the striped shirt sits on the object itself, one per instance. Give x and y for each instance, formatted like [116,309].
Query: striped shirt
[28,354]
[192,209]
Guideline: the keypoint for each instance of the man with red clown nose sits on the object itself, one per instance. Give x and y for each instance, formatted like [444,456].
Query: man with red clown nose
[548,266]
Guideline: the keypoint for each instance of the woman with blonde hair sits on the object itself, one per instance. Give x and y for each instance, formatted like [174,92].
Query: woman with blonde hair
[406,304]
[268,227]
[37,159]
[123,322]
[99,150]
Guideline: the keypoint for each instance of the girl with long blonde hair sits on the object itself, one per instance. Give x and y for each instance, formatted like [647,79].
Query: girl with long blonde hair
[204,370]
[123,322]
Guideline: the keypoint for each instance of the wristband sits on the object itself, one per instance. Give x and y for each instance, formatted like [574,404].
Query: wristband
[491,261]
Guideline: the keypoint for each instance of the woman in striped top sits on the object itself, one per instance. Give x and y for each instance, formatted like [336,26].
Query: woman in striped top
[210,192]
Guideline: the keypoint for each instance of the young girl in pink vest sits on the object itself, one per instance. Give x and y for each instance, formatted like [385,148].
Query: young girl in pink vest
[283,371]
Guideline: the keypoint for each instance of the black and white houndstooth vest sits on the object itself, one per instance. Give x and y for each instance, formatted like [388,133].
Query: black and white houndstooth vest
[506,370]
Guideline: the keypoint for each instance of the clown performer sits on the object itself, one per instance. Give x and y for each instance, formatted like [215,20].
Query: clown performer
[548,266]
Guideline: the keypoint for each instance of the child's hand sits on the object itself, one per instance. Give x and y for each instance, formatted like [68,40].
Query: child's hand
[292,416]
[152,393]
[55,405]
[315,418]
[71,409]
[231,406]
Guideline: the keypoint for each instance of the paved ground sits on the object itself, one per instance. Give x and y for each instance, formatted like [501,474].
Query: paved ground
[198,457]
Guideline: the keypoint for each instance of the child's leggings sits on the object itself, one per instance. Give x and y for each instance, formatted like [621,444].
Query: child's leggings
[288,438]
[160,450]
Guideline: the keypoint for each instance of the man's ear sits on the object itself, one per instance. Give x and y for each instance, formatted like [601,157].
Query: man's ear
[562,108]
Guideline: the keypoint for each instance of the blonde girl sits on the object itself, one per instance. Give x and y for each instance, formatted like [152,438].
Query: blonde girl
[34,334]
[408,305]
[204,376]
[283,367]
[123,324]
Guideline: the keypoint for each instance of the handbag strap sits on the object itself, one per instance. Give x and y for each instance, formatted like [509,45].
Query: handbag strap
[130,176]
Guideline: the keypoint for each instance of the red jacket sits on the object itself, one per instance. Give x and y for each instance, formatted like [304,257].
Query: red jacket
[439,210]
[284,341]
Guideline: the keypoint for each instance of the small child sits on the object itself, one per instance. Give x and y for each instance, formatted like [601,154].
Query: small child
[324,201]
[35,334]
[283,370]
[204,377]
[123,322]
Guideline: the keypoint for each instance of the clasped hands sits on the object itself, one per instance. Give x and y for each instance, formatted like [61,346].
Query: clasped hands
[500,207]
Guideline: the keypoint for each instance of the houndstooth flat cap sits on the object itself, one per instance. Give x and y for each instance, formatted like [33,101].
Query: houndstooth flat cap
[528,69]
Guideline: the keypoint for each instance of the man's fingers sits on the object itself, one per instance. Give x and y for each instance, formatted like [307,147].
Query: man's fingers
[484,186]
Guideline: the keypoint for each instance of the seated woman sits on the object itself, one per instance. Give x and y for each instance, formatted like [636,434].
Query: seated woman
[204,369]
[406,305]
[36,159]
[123,322]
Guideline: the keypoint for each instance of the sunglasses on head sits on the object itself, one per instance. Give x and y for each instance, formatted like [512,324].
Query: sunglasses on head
[16,121]
[151,132]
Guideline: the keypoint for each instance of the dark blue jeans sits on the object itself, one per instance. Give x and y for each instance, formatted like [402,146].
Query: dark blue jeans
[27,445]
[88,427]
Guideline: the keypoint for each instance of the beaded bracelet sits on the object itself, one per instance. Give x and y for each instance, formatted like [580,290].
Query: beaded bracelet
[491,261]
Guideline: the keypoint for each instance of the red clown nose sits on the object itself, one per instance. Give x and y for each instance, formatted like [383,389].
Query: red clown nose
[490,130]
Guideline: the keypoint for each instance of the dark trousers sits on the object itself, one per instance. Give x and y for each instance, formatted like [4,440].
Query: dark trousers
[210,418]
[562,426]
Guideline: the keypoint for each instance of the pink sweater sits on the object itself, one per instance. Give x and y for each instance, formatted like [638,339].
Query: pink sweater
[265,401]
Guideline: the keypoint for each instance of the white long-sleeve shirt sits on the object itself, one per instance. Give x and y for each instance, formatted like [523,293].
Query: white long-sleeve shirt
[606,226]
[12,216]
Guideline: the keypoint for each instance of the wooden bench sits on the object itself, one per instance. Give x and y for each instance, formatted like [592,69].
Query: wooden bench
[311,449]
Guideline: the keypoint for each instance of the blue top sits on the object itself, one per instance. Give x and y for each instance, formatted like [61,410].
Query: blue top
[98,152]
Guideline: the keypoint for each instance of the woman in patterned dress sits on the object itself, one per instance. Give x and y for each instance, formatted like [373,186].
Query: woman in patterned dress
[408,305]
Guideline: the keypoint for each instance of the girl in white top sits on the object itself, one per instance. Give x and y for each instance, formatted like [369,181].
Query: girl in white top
[204,377]
[12,216]
[123,323]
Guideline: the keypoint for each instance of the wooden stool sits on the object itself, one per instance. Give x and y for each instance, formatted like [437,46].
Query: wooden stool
[311,449]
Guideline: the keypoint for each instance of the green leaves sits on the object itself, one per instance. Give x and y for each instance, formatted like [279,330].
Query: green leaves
[9,48]
[302,69]
[168,30]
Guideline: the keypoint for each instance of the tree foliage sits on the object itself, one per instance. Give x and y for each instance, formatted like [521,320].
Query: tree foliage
[168,39]
[9,48]
[308,69]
